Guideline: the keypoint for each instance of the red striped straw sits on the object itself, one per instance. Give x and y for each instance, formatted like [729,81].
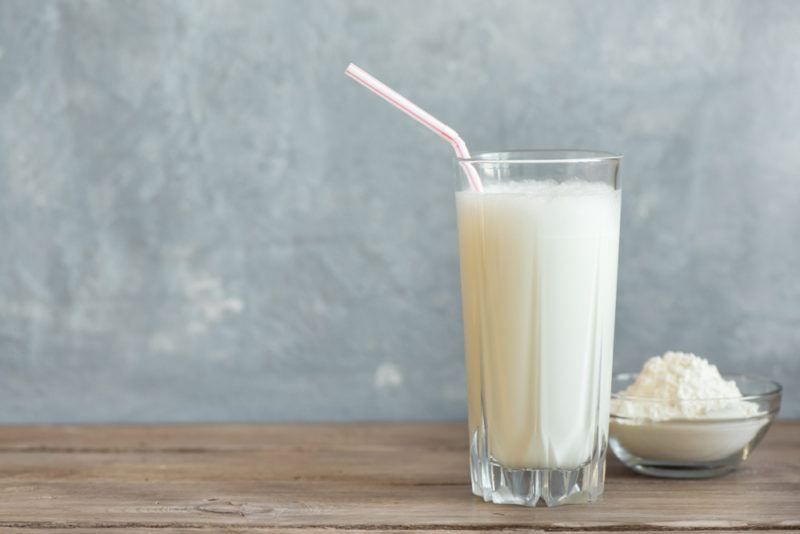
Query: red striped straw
[420,115]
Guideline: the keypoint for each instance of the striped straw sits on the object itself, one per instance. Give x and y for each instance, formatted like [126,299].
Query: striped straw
[420,115]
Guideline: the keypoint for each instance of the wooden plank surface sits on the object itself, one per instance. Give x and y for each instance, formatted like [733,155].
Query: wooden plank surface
[353,477]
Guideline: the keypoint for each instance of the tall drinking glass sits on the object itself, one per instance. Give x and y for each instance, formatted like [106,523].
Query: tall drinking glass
[539,249]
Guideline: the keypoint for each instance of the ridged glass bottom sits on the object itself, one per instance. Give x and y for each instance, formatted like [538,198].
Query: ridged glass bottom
[527,487]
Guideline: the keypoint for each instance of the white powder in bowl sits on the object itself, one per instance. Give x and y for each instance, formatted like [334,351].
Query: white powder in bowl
[669,381]
[679,409]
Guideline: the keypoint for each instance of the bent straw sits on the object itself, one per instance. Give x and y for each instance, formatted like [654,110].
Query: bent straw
[421,116]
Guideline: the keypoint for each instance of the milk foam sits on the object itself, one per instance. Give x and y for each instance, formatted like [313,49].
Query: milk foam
[549,188]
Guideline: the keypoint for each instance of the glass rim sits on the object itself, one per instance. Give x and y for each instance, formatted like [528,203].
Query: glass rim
[542,156]
[774,389]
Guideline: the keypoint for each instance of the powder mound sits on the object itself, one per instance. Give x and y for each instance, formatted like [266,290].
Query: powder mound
[686,387]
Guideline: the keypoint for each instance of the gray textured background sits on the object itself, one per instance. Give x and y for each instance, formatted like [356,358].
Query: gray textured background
[202,218]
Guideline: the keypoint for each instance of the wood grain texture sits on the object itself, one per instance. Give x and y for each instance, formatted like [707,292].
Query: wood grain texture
[386,477]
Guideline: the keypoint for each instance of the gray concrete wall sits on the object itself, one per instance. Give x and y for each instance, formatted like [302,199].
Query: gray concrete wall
[202,218]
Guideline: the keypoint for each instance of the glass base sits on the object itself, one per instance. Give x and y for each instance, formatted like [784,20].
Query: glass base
[553,487]
[528,487]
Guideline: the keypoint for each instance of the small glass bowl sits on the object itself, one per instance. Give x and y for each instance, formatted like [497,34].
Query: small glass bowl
[720,434]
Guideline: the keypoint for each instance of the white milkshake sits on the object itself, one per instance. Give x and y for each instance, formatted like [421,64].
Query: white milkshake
[539,272]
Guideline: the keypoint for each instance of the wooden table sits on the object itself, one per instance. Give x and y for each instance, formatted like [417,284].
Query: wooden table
[351,477]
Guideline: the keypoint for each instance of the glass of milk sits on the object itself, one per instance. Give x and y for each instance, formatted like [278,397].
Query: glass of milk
[538,249]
